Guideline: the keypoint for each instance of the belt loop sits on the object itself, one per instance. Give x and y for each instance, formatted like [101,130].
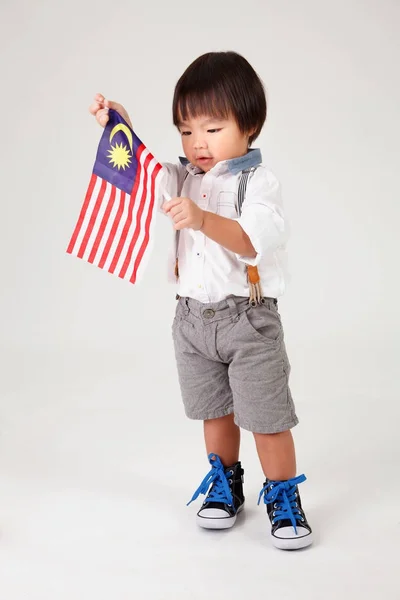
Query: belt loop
[233,309]
[187,309]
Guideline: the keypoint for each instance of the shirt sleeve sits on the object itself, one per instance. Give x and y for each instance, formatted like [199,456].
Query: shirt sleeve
[262,217]
[171,182]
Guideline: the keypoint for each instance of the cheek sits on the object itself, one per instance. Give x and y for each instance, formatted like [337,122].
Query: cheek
[222,146]
[185,144]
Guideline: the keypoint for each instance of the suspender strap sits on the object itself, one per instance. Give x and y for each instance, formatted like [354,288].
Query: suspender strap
[253,277]
[244,178]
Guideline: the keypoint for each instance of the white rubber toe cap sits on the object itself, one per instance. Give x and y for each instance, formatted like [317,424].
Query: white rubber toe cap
[216,518]
[213,513]
[286,538]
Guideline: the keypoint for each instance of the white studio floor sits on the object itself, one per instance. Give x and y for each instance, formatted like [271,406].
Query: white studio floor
[95,475]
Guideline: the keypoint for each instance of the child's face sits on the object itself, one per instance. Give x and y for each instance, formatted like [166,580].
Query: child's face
[207,140]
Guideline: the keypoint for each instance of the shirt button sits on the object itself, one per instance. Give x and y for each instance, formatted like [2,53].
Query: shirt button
[204,195]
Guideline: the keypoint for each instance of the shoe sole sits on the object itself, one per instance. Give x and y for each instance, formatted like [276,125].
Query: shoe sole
[224,523]
[292,543]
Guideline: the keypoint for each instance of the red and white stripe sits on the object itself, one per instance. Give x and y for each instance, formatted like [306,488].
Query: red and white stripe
[115,230]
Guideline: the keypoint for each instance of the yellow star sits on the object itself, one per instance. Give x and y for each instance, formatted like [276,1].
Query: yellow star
[120,156]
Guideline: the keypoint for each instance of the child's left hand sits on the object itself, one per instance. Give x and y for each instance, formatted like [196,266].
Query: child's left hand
[185,213]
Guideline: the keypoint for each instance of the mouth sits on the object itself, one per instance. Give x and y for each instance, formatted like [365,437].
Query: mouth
[203,158]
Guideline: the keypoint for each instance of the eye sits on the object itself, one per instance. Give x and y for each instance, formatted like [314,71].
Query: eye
[185,132]
[213,130]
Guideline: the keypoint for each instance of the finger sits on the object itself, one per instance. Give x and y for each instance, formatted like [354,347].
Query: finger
[114,105]
[176,210]
[101,102]
[102,117]
[94,107]
[171,203]
[180,217]
[182,224]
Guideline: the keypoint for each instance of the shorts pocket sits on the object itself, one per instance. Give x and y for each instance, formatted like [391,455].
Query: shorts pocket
[264,323]
[181,318]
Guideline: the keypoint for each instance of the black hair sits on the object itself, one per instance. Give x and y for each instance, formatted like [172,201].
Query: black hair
[221,84]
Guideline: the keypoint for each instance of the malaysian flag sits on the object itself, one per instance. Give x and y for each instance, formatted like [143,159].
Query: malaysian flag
[115,226]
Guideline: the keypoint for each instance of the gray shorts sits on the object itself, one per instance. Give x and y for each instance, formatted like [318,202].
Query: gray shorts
[231,358]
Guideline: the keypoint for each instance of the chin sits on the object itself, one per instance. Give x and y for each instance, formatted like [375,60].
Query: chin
[205,166]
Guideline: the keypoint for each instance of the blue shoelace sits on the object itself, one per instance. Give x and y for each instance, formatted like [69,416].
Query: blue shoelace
[283,495]
[221,491]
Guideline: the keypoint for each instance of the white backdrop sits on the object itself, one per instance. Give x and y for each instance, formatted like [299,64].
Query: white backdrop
[97,458]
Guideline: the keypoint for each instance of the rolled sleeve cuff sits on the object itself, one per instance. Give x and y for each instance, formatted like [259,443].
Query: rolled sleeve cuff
[254,261]
[265,229]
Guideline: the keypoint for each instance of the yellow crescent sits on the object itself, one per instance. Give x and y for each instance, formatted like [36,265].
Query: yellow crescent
[124,128]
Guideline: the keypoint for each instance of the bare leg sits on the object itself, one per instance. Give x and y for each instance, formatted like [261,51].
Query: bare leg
[222,437]
[277,454]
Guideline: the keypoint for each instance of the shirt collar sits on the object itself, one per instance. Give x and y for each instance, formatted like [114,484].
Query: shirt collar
[233,165]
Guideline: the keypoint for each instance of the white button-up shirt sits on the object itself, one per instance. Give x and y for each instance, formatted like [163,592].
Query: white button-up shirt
[208,272]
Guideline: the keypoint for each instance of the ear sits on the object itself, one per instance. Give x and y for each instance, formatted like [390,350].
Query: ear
[249,134]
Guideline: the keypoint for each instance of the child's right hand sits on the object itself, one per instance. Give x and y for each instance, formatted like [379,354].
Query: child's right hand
[99,108]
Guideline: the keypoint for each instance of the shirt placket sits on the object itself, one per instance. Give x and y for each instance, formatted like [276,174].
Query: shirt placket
[200,243]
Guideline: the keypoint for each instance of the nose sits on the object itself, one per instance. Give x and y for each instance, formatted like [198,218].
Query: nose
[199,143]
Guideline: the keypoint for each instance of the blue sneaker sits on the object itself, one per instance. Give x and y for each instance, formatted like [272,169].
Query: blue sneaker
[289,527]
[224,499]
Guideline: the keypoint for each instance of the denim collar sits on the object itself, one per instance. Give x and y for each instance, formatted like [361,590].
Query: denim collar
[233,165]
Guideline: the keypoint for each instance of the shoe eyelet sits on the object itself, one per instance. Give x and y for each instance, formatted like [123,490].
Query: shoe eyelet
[230,505]
[230,472]
[273,514]
[230,481]
[272,522]
[302,519]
